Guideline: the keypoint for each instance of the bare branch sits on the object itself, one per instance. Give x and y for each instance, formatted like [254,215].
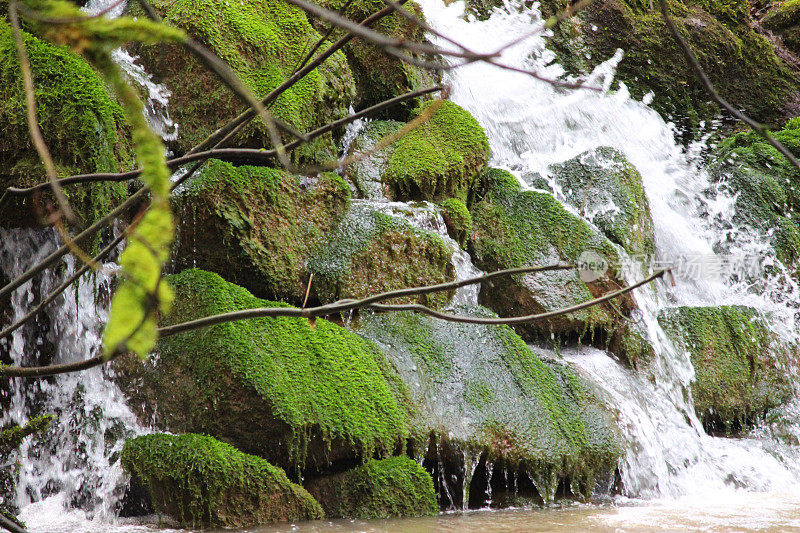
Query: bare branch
[8,525]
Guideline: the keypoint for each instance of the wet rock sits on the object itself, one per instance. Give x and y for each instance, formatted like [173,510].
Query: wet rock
[486,395]
[307,397]
[514,228]
[82,125]
[10,439]
[371,252]
[263,41]
[741,367]
[385,488]
[203,482]
[608,191]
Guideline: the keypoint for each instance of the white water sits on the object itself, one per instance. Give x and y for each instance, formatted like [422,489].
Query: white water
[532,125]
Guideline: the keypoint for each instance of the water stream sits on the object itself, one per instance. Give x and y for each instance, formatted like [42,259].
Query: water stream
[675,476]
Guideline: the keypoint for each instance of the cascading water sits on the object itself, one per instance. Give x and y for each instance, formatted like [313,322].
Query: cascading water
[532,125]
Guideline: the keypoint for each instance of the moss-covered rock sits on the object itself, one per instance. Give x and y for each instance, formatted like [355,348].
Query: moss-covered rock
[203,482]
[372,252]
[513,228]
[10,439]
[437,160]
[257,226]
[397,486]
[458,219]
[741,62]
[783,18]
[304,396]
[263,41]
[765,185]
[609,192]
[82,125]
[740,367]
[484,391]
[378,75]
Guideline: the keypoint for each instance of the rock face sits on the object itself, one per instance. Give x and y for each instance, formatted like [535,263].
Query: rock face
[741,62]
[378,75]
[82,125]
[397,486]
[486,395]
[515,228]
[305,397]
[263,41]
[740,366]
[608,191]
[766,187]
[202,482]
[436,160]
[270,231]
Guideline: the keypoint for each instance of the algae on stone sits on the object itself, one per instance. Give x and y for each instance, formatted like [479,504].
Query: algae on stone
[82,125]
[203,482]
[458,219]
[263,41]
[371,252]
[397,486]
[304,396]
[483,390]
[609,192]
[739,364]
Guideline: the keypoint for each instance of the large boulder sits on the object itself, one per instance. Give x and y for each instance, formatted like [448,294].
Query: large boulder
[263,41]
[438,159]
[741,368]
[742,62]
[307,397]
[378,75]
[82,125]
[202,482]
[397,486]
[488,398]
[513,228]
[608,191]
[371,252]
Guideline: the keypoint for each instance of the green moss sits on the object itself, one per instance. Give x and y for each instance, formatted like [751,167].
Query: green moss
[458,219]
[371,252]
[608,190]
[297,393]
[82,126]
[766,186]
[263,41]
[440,158]
[515,228]
[386,488]
[378,75]
[489,393]
[257,226]
[740,61]
[201,481]
[739,364]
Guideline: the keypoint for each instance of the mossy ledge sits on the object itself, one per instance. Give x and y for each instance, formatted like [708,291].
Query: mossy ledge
[307,397]
[82,125]
[397,486]
[740,365]
[203,482]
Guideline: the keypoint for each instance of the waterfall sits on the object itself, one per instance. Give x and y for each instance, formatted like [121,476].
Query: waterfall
[532,125]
